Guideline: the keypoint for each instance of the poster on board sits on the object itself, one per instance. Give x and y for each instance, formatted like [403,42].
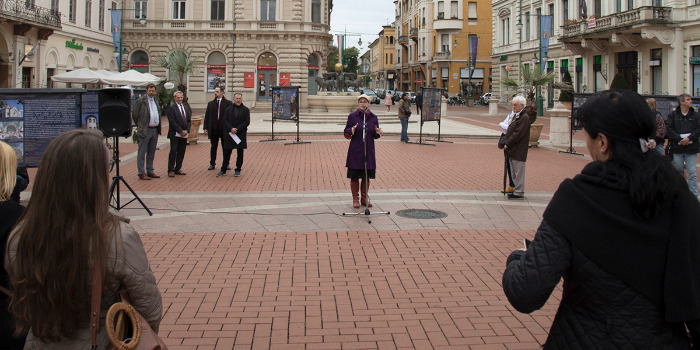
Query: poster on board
[285,102]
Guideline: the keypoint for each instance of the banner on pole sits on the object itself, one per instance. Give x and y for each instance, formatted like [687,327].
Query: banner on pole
[546,25]
[117,33]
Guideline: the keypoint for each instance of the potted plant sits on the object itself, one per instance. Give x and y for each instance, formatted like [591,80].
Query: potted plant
[565,96]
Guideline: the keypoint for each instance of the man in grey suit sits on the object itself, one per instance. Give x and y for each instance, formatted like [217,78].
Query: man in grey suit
[180,120]
[146,116]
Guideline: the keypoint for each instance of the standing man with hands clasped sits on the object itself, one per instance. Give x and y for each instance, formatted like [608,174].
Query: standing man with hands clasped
[236,121]
[214,123]
[180,120]
[146,116]
[683,131]
[516,143]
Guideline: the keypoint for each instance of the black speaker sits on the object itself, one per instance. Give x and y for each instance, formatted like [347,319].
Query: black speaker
[115,111]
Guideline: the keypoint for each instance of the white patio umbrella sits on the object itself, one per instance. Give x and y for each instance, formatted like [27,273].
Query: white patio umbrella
[131,77]
[79,76]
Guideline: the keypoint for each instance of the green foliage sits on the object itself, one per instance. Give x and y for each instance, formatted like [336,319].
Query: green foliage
[566,95]
[350,58]
[531,79]
[164,97]
[619,83]
[180,63]
[332,58]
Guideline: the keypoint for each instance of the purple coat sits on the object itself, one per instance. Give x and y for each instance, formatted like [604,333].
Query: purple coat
[355,158]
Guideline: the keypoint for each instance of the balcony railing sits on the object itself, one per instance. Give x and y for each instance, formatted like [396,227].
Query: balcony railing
[403,39]
[413,32]
[644,14]
[443,55]
[23,11]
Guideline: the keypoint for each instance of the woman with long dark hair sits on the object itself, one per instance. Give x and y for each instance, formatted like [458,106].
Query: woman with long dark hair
[623,235]
[51,251]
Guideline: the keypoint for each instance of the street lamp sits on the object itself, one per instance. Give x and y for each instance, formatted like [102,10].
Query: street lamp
[119,50]
[470,67]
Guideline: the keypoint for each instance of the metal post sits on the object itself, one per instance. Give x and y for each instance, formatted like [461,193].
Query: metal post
[540,103]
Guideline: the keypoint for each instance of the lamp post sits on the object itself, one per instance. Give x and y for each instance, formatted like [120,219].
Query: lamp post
[118,50]
[470,67]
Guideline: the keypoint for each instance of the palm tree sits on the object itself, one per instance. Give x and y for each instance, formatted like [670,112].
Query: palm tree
[531,79]
[180,63]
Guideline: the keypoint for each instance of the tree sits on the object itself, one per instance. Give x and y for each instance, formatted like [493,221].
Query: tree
[619,83]
[565,95]
[350,58]
[332,58]
[180,63]
[531,79]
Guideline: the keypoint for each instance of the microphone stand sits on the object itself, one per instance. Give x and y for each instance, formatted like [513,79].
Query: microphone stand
[366,179]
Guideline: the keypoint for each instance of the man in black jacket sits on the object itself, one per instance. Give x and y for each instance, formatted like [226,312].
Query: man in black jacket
[683,131]
[214,123]
[236,121]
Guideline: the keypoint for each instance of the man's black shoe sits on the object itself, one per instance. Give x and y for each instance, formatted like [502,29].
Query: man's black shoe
[237,173]
[221,173]
[211,167]
[514,196]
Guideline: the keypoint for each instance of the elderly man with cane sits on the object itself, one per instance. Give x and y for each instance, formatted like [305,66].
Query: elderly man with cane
[514,142]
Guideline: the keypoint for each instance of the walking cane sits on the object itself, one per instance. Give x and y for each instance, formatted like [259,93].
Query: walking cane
[505,170]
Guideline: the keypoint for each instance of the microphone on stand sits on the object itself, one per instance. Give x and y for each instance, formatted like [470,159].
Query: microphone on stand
[364,123]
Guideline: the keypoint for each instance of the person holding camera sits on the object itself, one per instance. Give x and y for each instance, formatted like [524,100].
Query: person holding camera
[404,113]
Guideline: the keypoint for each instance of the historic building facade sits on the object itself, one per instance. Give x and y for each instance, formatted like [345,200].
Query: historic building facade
[654,45]
[433,45]
[245,46]
[42,38]
[382,66]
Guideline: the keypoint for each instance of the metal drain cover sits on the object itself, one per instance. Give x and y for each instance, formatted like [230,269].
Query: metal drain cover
[421,214]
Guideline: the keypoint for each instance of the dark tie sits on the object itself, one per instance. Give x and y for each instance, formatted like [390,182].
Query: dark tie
[218,106]
[184,117]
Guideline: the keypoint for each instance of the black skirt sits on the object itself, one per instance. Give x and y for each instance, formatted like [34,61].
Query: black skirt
[355,174]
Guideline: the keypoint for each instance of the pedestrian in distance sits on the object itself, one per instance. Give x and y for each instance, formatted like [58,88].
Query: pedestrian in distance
[516,145]
[660,126]
[361,150]
[419,103]
[683,132]
[67,231]
[404,114]
[146,116]
[214,123]
[180,121]
[623,234]
[236,122]
[388,100]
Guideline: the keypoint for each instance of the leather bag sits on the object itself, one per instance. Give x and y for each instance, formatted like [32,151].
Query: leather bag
[126,328]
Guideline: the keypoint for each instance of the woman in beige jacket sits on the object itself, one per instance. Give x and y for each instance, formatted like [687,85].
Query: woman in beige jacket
[50,252]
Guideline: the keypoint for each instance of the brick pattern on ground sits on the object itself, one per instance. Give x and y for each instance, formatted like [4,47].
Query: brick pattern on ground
[342,290]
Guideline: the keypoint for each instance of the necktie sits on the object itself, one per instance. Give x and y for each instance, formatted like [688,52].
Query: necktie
[218,106]
[184,117]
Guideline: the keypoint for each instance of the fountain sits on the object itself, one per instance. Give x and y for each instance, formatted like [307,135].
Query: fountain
[335,98]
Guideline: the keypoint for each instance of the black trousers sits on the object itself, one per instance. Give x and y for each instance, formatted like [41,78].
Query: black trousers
[227,159]
[177,153]
[215,138]
[419,108]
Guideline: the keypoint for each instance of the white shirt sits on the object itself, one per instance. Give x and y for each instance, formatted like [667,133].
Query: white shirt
[154,112]
[505,123]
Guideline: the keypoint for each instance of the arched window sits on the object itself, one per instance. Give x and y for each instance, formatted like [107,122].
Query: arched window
[216,71]
[267,75]
[139,61]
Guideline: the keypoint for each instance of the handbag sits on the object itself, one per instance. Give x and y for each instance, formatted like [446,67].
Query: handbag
[126,328]
[502,141]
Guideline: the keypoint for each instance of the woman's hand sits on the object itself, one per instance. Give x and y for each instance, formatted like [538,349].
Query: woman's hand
[353,128]
[378,130]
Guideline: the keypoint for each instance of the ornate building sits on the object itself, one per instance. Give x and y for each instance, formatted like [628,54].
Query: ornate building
[433,45]
[245,46]
[654,45]
[382,63]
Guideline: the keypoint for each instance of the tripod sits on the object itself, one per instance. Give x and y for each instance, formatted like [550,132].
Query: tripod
[366,178]
[115,183]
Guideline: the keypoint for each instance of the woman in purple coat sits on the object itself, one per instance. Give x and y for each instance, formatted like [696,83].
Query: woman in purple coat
[356,151]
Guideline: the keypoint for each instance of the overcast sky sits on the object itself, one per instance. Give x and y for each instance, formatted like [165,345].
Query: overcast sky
[360,17]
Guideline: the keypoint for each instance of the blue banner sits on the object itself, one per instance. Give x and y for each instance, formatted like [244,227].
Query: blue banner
[473,44]
[546,25]
[117,34]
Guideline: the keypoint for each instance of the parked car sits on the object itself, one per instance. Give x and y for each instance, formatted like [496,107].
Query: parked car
[396,96]
[411,96]
[380,93]
[374,98]
[484,99]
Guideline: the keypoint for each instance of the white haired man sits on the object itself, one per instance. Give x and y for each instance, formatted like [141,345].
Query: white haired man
[516,145]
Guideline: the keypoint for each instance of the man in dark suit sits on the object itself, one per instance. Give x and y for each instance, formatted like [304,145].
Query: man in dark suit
[214,122]
[236,121]
[146,116]
[180,120]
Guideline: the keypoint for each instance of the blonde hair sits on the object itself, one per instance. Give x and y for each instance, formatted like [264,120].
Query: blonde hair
[8,171]
[651,103]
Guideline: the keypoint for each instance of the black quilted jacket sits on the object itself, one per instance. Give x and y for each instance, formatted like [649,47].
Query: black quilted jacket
[597,310]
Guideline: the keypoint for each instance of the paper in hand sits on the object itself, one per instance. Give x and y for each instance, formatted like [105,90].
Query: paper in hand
[235,137]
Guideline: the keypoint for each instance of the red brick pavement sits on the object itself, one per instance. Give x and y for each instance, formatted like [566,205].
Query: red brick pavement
[320,166]
[341,290]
